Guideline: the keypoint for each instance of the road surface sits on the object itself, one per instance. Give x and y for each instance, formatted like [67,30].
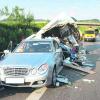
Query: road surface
[84,87]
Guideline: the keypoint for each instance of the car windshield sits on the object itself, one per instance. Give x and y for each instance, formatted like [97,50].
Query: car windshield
[33,46]
[89,32]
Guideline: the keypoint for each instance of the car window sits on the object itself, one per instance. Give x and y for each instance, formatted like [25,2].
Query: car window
[34,46]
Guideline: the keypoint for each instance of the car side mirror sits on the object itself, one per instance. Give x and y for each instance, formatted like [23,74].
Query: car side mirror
[6,52]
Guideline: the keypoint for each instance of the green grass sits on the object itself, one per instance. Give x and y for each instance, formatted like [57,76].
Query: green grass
[40,24]
[84,28]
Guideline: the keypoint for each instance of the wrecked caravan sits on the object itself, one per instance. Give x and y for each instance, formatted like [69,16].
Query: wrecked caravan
[61,28]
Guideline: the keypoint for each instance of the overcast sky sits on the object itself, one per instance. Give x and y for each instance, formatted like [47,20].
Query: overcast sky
[47,9]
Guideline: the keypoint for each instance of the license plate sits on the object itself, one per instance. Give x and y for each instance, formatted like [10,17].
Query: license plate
[14,80]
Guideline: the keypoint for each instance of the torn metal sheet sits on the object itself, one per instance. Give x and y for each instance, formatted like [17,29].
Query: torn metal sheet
[73,40]
[62,79]
[89,65]
[86,69]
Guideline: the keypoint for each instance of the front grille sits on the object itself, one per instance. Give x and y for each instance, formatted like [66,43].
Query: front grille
[16,71]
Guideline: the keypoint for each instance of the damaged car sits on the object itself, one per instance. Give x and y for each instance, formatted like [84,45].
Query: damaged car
[34,63]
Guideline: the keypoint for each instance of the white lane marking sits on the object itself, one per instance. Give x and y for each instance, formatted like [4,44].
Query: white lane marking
[37,94]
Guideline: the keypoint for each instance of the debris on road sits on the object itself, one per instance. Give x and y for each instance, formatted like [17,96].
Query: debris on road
[79,61]
[67,63]
[76,87]
[61,80]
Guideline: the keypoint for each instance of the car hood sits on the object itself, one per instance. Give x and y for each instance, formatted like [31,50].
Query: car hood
[32,59]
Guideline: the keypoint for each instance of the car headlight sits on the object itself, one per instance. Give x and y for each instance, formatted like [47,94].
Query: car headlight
[43,68]
[33,71]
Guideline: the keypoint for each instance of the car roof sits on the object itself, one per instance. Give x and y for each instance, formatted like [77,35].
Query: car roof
[43,39]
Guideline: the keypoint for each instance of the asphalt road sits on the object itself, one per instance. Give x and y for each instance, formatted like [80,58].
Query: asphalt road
[83,87]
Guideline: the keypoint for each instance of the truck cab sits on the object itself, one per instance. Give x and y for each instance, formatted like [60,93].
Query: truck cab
[89,35]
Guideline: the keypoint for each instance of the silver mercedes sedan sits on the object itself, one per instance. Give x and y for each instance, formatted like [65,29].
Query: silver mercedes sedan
[34,63]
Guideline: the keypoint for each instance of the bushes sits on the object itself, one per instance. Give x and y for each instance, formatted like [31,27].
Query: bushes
[17,26]
[14,33]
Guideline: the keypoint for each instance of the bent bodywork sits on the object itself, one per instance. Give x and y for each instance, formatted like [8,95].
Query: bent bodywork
[61,27]
[31,64]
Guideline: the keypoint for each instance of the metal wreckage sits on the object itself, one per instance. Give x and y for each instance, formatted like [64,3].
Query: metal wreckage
[66,32]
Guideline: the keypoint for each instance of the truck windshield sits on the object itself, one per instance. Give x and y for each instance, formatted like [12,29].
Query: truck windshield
[89,32]
[33,46]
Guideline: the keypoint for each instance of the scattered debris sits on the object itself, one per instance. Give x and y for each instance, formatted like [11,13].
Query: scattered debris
[76,87]
[57,84]
[61,80]
[85,69]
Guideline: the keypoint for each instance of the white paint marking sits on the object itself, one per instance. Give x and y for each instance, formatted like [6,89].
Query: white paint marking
[37,94]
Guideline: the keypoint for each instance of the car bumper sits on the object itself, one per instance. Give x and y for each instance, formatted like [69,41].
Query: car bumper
[89,39]
[33,81]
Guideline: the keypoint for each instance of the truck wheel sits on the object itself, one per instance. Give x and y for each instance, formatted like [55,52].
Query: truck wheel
[94,40]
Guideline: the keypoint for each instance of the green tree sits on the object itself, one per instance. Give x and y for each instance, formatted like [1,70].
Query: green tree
[29,18]
[17,14]
[4,11]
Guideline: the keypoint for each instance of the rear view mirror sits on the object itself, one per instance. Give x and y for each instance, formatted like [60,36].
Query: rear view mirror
[6,52]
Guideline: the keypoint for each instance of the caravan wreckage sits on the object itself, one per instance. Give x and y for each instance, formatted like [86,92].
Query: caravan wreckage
[63,28]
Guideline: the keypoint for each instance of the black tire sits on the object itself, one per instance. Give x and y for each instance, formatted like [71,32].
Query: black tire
[94,40]
[54,78]
[2,88]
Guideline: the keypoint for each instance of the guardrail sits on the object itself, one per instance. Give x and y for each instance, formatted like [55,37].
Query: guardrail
[88,23]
